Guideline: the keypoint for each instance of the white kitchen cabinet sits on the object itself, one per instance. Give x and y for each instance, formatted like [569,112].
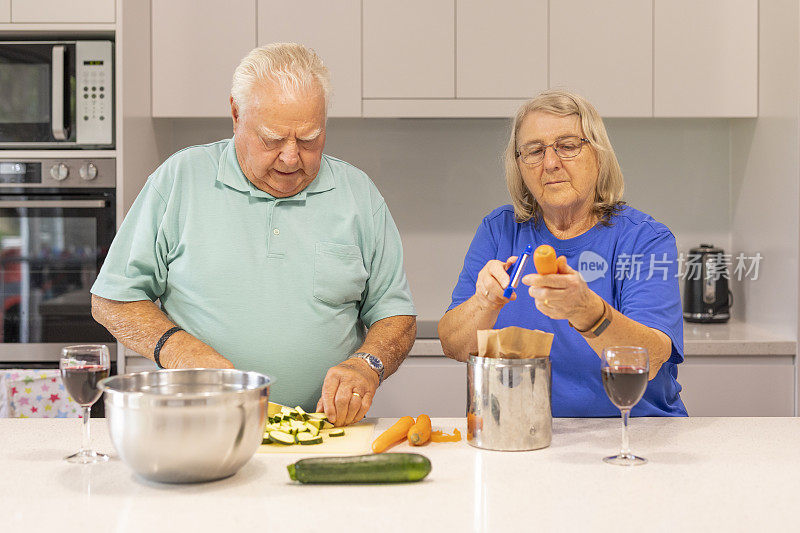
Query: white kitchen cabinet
[436,386]
[5,11]
[60,11]
[409,49]
[738,386]
[706,58]
[334,32]
[712,386]
[197,45]
[501,48]
[611,64]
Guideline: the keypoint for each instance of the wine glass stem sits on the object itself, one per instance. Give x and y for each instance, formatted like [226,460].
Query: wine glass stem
[86,434]
[625,450]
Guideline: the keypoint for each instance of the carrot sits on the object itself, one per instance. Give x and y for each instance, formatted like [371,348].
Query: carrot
[420,432]
[396,433]
[438,436]
[544,258]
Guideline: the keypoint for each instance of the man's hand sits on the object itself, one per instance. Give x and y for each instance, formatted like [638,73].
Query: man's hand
[347,392]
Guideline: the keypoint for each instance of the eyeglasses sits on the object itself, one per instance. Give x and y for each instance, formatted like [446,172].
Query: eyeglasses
[565,148]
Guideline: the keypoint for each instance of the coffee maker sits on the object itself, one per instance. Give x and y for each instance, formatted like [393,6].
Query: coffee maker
[706,297]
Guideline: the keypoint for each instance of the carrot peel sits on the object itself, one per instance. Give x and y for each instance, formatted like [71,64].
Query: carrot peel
[438,436]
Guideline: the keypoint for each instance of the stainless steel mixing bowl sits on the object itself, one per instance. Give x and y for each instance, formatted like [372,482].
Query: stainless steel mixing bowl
[185,426]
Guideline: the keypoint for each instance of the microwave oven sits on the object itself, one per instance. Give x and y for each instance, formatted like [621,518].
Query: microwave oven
[56,94]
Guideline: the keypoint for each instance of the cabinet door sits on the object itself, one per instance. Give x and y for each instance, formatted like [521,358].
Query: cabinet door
[197,45]
[78,11]
[436,386]
[334,32]
[611,64]
[409,49]
[501,48]
[5,11]
[738,386]
[706,58]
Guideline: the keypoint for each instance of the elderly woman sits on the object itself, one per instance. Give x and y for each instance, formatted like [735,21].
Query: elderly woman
[618,285]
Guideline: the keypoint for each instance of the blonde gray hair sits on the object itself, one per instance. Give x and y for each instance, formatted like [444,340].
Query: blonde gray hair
[610,185]
[293,67]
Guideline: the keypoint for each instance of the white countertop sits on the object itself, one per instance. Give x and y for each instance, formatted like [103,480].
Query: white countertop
[705,474]
[731,338]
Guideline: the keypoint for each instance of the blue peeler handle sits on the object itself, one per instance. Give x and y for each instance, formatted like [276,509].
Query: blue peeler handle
[516,273]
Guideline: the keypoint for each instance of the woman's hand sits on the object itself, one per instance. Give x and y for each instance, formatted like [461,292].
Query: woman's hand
[565,295]
[492,281]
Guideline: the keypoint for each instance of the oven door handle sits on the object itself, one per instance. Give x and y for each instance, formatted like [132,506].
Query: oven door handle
[14,204]
[57,93]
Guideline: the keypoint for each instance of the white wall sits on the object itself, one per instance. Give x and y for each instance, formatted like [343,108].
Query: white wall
[441,176]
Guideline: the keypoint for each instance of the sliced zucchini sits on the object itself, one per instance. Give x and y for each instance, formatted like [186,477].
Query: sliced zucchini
[315,423]
[336,433]
[300,413]
[314,430]
[320,416]
[281,437]
[307,438]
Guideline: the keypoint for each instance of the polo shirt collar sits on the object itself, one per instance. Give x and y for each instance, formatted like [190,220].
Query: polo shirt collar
[231,175]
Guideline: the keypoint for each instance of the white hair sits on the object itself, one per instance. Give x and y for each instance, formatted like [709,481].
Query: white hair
[293,67]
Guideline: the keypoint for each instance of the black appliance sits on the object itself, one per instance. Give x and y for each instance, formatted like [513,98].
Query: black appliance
[706,297]
[57,221]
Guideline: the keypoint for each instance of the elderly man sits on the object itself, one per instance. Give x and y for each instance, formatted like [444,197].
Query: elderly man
[265,253]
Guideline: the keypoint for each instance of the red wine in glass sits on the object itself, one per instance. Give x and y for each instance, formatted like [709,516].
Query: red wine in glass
[624,385]
[82,367]
[81,382]
[624,370]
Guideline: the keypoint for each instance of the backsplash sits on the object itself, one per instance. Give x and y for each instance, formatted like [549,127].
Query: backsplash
[440,177]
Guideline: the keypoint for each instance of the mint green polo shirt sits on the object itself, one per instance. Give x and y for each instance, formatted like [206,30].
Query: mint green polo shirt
[283,286]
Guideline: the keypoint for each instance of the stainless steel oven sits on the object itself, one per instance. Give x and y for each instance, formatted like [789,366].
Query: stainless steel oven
[57,221]
[56,94]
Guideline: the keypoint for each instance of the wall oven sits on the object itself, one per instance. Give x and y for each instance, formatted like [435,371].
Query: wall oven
[56,94]
[57,221]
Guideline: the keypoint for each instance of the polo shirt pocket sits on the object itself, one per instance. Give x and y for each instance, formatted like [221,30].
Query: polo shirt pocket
[339,273]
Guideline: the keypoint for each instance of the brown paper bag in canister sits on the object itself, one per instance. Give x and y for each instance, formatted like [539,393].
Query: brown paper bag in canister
[514,343]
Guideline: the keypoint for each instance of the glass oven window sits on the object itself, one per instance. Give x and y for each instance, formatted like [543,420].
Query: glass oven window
[48,263]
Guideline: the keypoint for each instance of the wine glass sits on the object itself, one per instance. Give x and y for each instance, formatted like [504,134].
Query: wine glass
[81,368]
[624,370]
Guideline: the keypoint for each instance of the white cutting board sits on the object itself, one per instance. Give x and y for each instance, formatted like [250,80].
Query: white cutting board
[357,440]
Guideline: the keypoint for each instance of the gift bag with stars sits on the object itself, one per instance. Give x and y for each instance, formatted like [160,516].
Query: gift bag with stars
[35,394]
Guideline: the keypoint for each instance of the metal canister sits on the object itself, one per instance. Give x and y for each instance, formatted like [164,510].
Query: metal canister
[508,403]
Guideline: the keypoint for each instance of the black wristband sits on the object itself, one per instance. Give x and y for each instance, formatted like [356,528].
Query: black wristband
[160,344]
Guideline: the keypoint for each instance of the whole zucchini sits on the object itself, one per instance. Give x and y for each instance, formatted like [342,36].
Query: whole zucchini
[377,468]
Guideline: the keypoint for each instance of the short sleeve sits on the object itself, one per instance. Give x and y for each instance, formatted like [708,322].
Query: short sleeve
[482,249]
[136,265]
[649,291]
[387,292]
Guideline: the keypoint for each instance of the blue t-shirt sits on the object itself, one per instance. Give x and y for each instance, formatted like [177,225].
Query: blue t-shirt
[632,264]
